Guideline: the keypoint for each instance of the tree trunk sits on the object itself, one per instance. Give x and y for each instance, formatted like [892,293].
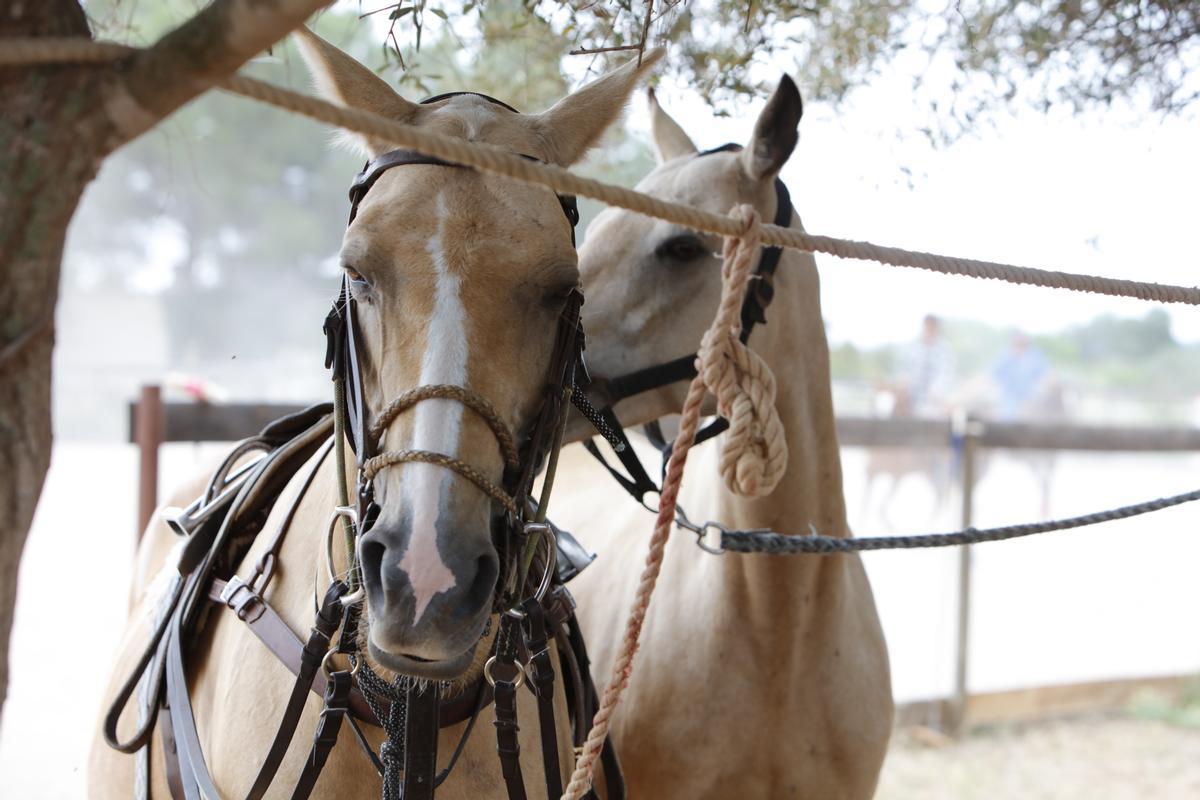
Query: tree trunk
[57,124]
[51,143]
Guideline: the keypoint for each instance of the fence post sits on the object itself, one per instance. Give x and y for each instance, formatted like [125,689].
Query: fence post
[966,432]
[148,432]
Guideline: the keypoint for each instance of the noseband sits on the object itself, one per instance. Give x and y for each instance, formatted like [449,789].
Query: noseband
[760,291]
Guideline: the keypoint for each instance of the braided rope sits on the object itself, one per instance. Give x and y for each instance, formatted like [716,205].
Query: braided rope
[491,159]
[783,544]
[446,391]
[376,464]
[754,450]
[728,314]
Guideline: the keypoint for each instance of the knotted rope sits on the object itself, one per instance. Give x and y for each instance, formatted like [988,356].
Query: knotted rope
[734,275]
[754,452]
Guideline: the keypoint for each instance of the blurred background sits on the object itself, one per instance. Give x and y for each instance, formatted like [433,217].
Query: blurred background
[203,260]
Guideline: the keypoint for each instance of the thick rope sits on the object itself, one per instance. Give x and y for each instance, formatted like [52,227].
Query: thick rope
[754,450]
[445,391]
[492,159]
[376,464]
[728,314]
[785,544]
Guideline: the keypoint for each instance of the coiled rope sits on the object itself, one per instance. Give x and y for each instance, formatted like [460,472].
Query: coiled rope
[25,51]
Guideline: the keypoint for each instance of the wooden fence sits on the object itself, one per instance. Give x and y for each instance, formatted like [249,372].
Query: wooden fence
[154,422]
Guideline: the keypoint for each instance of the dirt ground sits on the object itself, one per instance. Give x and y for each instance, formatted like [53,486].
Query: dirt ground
[1097,758]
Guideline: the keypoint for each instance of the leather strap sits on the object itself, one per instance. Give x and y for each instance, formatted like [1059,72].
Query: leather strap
[537,640]
[508,743]
[328,618]
[420,742]
[337,704]
[170,755]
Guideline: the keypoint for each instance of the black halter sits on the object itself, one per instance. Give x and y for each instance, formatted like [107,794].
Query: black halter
[760,291]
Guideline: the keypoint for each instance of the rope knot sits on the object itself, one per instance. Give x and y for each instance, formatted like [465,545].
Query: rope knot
[754,451]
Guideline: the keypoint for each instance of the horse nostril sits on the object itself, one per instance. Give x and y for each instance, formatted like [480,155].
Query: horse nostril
[370,554]
[483,585]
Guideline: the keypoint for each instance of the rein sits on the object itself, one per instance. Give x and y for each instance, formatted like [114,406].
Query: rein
[760,291]
[221,526]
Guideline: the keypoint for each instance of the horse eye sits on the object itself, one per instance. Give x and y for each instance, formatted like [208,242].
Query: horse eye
[681,248]
[354,275]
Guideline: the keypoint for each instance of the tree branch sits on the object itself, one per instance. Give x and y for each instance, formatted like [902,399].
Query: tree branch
[194,57]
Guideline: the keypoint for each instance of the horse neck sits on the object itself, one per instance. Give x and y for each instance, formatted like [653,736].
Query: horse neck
[810,492]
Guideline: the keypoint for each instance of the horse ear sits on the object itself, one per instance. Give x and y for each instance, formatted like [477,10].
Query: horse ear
[669,139]
[775,133]
[574,123]
[342,80]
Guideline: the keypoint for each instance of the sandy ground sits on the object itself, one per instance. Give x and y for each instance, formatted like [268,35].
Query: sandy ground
[1092,759]
[1117,601]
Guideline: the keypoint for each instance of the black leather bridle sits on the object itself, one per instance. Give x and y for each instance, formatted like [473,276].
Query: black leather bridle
[759,293]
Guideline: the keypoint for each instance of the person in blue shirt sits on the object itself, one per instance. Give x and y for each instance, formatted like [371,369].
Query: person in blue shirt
[1019,375]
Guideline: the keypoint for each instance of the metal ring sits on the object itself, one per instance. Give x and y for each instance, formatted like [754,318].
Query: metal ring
[339,512]
[355,665]
[487,673]
[551,563]
[354,597]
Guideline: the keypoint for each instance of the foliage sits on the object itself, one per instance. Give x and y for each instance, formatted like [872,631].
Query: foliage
[230,199]
[967,58]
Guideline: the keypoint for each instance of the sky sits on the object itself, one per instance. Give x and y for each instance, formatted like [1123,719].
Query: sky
[1112,193]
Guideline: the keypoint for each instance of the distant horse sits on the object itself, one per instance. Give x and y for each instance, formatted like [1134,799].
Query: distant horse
[893,464]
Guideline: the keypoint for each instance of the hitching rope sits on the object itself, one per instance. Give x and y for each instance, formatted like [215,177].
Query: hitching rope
[492,159]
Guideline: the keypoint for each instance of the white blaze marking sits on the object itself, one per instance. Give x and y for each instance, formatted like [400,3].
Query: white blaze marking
[437,425]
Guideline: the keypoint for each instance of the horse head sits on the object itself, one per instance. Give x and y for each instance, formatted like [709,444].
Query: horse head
[458,279]
[653,285]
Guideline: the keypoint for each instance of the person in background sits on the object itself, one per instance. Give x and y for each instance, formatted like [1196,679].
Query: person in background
[1020,375]
[926,372]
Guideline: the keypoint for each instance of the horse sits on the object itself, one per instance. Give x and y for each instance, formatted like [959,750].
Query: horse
[462,285]
[935,464]
[758,675]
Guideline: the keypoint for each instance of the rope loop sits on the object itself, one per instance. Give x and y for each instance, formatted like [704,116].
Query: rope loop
[754,451]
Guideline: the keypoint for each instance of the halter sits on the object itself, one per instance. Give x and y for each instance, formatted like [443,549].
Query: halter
[760,291]
[221,525]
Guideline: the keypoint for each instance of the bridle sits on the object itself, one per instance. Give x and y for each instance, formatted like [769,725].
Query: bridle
[533,605]
[759,293]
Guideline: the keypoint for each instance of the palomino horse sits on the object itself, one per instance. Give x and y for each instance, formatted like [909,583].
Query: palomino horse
[460,282]
[758,676]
